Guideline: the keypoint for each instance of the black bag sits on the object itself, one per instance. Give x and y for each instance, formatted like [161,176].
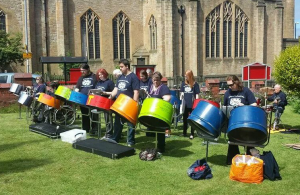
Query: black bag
[199,170]
[271,169]
[149,154]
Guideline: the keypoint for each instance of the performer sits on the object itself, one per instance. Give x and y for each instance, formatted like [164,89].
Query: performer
[237,95]
[149,72]
[279,100]
[117,73]
[159,90]
[128,84]
[189,92]
[86,82]
[52,88]
[106,86]
[145,83]
[38,87]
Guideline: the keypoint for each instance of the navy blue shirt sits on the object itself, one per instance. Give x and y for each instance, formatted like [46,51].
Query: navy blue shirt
[144,86]
[39,89]
[189,93]
[107,86]
[233,98]
[126,84]
[280,96]
[160,92]
[84,84]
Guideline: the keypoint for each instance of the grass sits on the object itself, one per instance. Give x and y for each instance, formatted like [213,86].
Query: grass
[34,164]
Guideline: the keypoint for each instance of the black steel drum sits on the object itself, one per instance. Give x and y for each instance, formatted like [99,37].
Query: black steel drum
[16,88]
[248,124]
[25,99]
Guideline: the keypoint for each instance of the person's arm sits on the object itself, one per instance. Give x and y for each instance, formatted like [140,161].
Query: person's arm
[166,98]
[136,95]
[197,90]
[78,84]
[113,93]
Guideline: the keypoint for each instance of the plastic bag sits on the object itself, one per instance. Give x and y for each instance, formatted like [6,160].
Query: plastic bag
[247,169]
[199,170]
[149,154]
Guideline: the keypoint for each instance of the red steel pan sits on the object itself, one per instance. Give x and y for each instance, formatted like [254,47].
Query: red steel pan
[209,101]
[98,101]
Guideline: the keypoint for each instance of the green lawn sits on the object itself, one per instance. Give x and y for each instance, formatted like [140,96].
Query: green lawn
[34,164]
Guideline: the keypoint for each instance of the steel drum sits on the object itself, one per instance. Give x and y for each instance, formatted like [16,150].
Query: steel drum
[207,119]
[175,101]
[16,88]
[100,102]
[25,99]
[196,101]
[156,114]
[126,107]
[78,98]
[248,124]
[50,101]
[63,92]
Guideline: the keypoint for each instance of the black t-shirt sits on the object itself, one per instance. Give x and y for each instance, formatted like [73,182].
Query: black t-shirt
[233,98]
[160,92]
[84,84]
[126,84]
[107,86]
[189,93]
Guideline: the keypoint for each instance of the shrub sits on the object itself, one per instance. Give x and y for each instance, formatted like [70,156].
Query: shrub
[295,103]
[287,70]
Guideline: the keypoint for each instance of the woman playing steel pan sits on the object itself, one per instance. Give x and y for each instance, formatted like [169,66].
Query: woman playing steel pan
[189,92]
[159,90]
[237,95]
[145,83]
[106,86]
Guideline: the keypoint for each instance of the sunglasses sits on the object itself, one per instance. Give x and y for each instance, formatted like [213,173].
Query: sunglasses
[37,79]
[230,85]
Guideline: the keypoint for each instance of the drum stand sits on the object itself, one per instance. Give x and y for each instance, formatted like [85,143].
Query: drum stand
[207,140]
[175,117]
[97,112]
[147,131]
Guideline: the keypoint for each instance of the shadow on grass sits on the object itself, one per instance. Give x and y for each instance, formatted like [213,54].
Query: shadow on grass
[21,165]
[11,146]
[217,160]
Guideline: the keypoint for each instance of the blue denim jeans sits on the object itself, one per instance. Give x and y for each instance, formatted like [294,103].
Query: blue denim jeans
[118,127]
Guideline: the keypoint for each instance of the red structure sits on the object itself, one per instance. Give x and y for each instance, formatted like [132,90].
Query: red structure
[255,72]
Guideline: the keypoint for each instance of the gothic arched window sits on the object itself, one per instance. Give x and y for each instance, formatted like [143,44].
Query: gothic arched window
[234,22]
[241,33]
[121,38]
[153,33]
[2,21]
[90,35]
[213,33]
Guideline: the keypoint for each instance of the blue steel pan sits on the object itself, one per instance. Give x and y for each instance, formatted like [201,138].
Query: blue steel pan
[207,119]
[248,124]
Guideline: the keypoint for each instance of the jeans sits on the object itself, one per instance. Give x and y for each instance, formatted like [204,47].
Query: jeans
[118,127]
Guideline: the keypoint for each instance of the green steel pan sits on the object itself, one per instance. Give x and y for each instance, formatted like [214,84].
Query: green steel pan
[156,114]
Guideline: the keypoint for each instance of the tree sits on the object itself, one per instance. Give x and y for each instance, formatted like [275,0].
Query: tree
[287,70]
[69,65]
[10,50]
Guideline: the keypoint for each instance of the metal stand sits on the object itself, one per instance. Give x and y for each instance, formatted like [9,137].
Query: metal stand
[20,110]
[97,112]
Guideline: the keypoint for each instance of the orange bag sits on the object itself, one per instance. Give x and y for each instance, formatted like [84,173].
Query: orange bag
[247,169]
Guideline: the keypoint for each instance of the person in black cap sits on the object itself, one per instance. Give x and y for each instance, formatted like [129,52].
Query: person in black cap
[86,82]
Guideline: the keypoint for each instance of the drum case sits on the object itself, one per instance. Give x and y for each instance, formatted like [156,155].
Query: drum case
[104,148]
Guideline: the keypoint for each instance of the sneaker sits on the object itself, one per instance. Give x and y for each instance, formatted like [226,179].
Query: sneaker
[191,137]
[130,145]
